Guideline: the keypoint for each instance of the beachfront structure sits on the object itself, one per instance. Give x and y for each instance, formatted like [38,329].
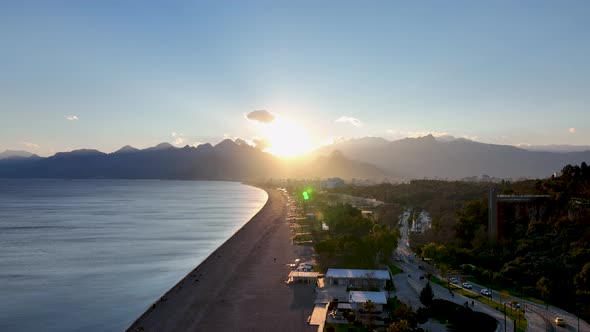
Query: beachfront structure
[357,278]
[303,277]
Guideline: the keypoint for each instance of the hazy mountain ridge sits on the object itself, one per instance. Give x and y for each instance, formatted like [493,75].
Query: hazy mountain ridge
[13,154]
[563,148]
[364,158]
[458,158]
[227,160]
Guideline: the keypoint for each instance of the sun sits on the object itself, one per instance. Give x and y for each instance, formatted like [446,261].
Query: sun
[286,138]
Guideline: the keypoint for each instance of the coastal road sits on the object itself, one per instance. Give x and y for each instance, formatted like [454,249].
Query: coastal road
[408,284]
[538,316]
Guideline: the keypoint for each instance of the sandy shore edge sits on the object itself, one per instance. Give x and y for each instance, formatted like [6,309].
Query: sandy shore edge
[240,280]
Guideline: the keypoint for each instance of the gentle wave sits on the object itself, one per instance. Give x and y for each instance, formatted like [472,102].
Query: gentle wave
[92,255]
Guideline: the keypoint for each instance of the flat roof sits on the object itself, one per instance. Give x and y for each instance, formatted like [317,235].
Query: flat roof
[303,274]
[344,306]
[358,274]
[362,297]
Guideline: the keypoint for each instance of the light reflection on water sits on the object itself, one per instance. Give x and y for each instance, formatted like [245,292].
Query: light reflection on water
[92,255]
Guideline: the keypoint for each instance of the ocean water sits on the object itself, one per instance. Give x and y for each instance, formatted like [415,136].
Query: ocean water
[92,255]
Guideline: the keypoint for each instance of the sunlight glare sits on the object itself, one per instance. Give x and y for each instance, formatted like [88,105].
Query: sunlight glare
[286,138]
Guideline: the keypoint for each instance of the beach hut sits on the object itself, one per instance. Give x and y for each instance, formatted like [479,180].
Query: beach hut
[303,277]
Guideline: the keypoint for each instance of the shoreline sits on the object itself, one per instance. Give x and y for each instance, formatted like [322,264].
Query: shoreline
[240,285]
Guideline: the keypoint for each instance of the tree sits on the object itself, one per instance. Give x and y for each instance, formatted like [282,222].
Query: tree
[471,218]
[369,306]
[582,280]
[427,295]
[399,326]
[544,286]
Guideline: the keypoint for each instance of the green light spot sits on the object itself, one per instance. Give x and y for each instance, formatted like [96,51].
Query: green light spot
[305,195]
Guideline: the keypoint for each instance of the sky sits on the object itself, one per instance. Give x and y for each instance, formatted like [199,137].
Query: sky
[103,74]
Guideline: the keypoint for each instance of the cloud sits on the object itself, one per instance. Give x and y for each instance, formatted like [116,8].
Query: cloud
[241,141]
[72,118]
[261,116]
[178,139]
[415,134]
[260,143]
[348,119]
[471,138]
[30,145]
[572,130]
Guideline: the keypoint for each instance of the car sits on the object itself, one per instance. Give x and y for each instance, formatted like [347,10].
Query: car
[454,282]
[559,321]
[467,285]
[486,292]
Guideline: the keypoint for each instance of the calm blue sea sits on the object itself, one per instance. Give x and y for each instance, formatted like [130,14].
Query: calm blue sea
[92,255]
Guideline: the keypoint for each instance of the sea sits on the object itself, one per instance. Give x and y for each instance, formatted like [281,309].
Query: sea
[93,255]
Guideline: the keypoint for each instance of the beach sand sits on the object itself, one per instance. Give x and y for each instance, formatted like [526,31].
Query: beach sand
[241,286]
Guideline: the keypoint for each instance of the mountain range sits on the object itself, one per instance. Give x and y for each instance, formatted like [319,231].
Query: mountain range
[228,160]
[364,158]
[427,157]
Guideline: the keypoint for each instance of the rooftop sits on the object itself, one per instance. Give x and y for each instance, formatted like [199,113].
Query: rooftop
[303,274]
[362,297]
[358,274]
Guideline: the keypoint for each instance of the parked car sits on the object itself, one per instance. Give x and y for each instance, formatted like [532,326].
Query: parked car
[486,292]
[467,285]
[559,321]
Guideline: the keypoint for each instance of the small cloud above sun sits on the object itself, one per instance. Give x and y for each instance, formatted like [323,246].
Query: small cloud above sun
[279,135]
[350,120]
[261,116]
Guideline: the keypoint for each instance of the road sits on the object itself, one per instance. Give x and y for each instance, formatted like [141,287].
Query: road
[408,285]
[538,316]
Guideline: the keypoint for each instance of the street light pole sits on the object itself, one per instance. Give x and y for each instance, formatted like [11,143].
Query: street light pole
[504,317]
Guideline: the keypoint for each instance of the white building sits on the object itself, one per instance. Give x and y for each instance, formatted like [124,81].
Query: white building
[303,277]
[358,298]
[357,278]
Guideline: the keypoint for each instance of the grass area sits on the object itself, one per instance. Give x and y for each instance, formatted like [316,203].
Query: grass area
[512,314]
[394,269]
[532,299]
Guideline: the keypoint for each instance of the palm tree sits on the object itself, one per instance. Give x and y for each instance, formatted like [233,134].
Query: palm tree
[369,306]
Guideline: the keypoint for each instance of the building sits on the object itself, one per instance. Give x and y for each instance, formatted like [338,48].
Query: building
[358,298]
[302,277]
[333,183]
[357,278]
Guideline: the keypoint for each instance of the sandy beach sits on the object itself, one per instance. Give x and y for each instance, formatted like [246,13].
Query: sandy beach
[240,286]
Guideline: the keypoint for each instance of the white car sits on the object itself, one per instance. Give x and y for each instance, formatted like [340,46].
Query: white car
[559,321]
[467,285]
[486,292]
